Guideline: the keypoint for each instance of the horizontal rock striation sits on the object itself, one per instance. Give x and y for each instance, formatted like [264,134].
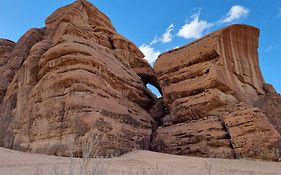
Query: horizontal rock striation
[76,86]
[225,60]
[76,80]
[205,79]
[204,137]
[252,135]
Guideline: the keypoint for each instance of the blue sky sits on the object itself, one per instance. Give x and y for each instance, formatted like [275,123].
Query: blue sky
[159,25]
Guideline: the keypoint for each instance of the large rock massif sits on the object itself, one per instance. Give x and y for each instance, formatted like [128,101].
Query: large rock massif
[77,84]
[71,80]
[210,88]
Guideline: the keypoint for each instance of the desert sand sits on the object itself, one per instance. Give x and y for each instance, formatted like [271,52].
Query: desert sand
[134,163]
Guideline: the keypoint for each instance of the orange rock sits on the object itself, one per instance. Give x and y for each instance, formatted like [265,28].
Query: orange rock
[76,78]
[6,46]
[226,60]
[77,84]
[204,137]
[204,80]
[270,104]
[252,135]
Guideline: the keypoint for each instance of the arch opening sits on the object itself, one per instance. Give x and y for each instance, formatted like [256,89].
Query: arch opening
[154,90]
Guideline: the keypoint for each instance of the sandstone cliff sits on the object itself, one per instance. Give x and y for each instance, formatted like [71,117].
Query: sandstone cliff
[77,80]
[73,79]
[210,88]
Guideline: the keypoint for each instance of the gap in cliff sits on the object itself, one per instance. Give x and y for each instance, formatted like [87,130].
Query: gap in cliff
[154,90]
[158,112]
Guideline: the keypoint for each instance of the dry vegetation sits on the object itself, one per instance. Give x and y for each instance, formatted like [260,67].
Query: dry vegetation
[92,164]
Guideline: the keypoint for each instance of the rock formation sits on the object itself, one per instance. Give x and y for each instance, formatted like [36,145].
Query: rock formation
[203,85]
[73,79]
[77,84]
[5,73]
[271,105]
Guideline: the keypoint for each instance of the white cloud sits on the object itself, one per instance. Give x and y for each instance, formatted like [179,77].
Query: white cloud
[150,54]
[195,28]
[166,37]
[235,13]
[154,41]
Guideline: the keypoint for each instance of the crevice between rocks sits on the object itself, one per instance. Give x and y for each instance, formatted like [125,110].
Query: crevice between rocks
[230,140]
[157,112]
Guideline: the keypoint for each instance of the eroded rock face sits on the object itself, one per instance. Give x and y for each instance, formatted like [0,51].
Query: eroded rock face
[5,47]
[204,82]
[204,137]
[76,79]
[13,55]
[270,104]
[225,62]
[77,84]
[252,134]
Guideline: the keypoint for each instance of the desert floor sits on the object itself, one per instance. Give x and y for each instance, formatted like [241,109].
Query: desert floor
[134,163]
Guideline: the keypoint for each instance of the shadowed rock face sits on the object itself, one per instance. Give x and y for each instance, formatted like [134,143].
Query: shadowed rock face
[271,105]
[78,82]
[6,74]
[203,84]
[74,79]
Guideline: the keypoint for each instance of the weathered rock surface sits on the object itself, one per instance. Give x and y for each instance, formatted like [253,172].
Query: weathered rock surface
[74,80]
[201,82]
[77,84]
[271,105]
[204,137]
[226,61]
[252,135]
[5,47]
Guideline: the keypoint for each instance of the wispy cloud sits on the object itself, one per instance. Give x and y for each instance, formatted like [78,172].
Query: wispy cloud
[150,53]
[235,13]
[154,41]
[195,28]
[272,47]
[166,37]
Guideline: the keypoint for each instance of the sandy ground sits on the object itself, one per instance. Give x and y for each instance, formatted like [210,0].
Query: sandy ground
[134,163]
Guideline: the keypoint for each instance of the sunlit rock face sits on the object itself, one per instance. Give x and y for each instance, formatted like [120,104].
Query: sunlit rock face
[74,79]
[204,85]
[78,85]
